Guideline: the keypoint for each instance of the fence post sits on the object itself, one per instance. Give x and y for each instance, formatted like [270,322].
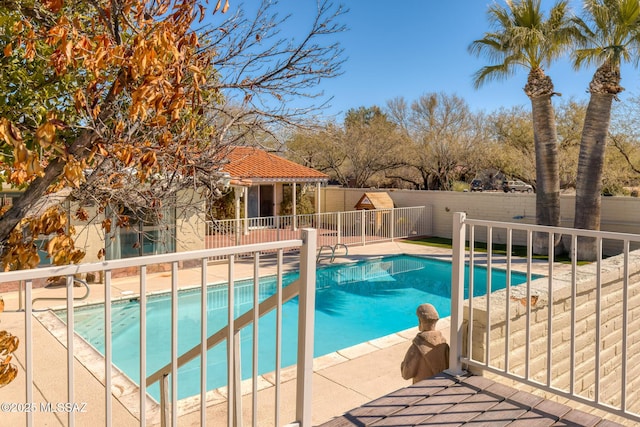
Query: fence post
[165,415]
[363,228]
[392,223]
[20,287]
[237,382]
[457,293]
[339,214]
[307,300]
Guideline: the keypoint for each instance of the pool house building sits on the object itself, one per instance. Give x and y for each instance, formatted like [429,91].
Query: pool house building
[259,178]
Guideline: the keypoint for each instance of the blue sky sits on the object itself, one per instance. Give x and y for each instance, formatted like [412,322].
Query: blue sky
[413,47]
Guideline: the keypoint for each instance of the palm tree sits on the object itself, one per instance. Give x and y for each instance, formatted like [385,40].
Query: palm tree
[522,38]
[611,37]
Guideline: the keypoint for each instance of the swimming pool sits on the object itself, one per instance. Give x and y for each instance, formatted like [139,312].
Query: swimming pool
[355,303]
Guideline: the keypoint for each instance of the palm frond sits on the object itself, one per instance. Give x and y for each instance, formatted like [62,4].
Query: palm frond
[611,33]
[490,47]
[523,37]
[494,72]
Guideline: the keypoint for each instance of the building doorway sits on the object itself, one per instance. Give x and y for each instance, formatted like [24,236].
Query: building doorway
[266,200]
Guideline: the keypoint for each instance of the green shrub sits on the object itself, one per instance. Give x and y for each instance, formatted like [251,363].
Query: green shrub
[304,204]
[223,207]
[613,189]
[460,186]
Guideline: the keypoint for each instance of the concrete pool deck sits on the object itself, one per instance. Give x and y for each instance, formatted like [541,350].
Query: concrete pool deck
[342,380]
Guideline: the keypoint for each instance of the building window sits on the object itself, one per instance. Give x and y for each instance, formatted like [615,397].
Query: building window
[152,234]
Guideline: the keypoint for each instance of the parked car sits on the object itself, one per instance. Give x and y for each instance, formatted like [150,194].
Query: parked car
[516,185]
[476,185]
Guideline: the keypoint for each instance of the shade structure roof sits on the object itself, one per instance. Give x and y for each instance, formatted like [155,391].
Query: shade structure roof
[254,165]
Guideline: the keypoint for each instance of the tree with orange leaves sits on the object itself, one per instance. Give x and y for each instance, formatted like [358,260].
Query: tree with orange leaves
[126,102]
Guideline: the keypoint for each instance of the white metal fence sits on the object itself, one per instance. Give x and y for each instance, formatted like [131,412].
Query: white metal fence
[334,228]
[574,333]
[304,288]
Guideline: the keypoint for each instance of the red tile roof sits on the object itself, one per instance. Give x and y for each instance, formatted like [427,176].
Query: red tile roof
[257,165]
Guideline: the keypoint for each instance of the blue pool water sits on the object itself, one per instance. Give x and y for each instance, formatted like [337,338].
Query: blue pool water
[354,303]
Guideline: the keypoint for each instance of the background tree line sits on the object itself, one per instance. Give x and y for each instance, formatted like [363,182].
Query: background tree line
[436,142]
[523,35]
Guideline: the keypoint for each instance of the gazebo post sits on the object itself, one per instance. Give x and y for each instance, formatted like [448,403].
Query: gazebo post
[236,196]
[294,222]
[245,197]
[274,206]
[318,204]
[318,197]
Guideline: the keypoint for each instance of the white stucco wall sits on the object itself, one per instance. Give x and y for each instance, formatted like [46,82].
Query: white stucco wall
[619,214]
[89,237]
[191,222]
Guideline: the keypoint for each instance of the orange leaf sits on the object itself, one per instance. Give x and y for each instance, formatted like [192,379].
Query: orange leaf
[53,5]
[226,7]
[79,100]
[102,150]
[148,159]
[164,6]
[8,50]
[15,133]
[82,214]
[30,49]
[9,133]
[45,134]
[20,154]
[73,173]
[106,224]
[77,256]
[33,166]
[68,50]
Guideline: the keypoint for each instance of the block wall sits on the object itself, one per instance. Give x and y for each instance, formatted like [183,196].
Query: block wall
[619,214]
[611,343]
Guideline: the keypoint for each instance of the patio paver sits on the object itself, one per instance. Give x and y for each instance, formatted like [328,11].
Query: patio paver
[466,400]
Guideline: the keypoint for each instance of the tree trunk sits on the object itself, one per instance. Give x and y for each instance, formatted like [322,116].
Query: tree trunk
[547,172]
[590,167]
[539,89]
